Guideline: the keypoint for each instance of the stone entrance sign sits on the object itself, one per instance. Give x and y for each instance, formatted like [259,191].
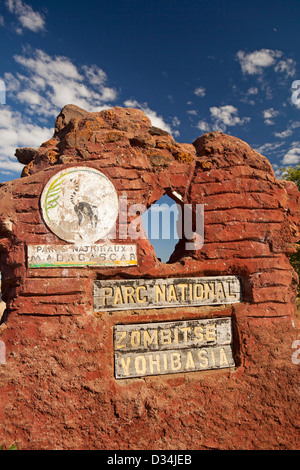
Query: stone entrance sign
[44,256]
[80,205]
[104,345]
[163,293]
[172,347]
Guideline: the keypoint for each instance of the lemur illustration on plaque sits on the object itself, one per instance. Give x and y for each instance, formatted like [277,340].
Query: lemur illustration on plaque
[80,205]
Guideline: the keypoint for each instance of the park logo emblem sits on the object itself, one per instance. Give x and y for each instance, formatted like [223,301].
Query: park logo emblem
[79,205]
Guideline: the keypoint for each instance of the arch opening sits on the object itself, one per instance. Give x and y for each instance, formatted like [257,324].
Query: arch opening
[162,223]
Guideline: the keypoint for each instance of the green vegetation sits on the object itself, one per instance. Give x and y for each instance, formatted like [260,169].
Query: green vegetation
[293,174]
[12,447]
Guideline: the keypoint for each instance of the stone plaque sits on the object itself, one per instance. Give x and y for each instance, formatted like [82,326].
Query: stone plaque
[44,256]
[163,293]
[80,205]
[172,347]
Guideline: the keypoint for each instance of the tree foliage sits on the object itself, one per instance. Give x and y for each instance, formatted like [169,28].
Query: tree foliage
[293,174]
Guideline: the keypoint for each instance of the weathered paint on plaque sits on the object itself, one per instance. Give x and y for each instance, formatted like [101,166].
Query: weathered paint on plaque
[172,347]
[162,293]
[44,256]
[80,204]
[173,361]
[172,335]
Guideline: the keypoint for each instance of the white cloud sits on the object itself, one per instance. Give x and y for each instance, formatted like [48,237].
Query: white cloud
[296,93]
[288,67]
[28,18]
[175,121]
[203,126]
[225,116]
[192,112]
[29,97]
[200,91]
[283,134]
[46,84]
[221,118]
[1,20]
[47,67]
[156,120]
[14,133]
[269,114]
[289,131]
[292,157]
[247,97]
[266,87]
[254,62]
[51,82]
[253,91]
[269,147]
[108,94]
[95,74]
[11,83]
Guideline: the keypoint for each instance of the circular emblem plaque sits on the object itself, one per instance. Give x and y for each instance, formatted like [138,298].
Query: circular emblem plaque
[80,205]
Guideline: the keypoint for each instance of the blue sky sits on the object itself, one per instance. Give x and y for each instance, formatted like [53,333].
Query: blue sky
[192,66]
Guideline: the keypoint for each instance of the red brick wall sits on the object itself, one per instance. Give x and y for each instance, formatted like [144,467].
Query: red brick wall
[57,387]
